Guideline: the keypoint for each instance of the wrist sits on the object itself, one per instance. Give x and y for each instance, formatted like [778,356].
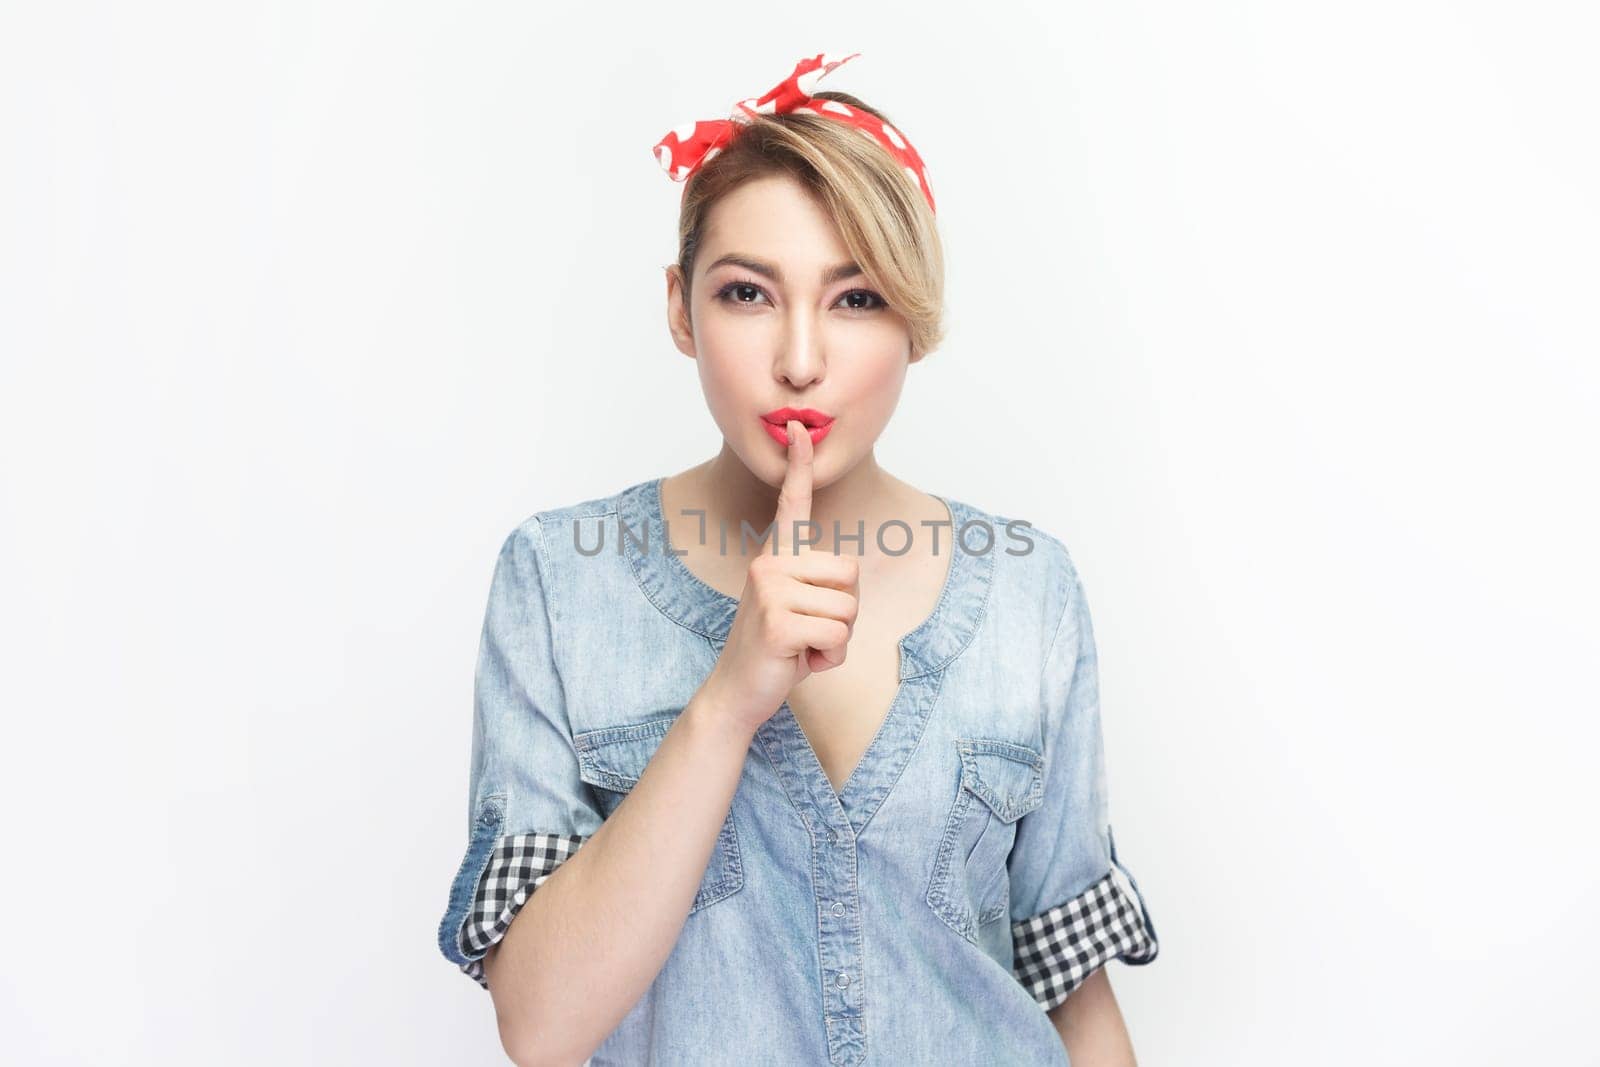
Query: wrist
[712,708]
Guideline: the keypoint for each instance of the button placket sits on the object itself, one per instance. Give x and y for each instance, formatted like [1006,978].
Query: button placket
[839,940]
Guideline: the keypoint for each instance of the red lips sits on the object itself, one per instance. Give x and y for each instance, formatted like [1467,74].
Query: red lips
[817,423]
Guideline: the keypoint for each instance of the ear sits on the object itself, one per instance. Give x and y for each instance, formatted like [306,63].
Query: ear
[678,322]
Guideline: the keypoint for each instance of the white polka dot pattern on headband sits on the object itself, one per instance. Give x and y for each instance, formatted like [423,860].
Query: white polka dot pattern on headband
[685,149]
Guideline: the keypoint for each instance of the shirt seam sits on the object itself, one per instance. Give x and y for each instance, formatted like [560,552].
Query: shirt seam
[551,610]
[1061,624]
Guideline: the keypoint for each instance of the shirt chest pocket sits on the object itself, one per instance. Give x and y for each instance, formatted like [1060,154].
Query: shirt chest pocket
[1000,782]
[613,758]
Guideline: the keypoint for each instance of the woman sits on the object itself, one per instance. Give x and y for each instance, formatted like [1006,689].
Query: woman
[835,792]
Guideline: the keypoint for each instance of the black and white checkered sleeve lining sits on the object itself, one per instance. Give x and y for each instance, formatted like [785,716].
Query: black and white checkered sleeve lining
[519,864]
[1054,951]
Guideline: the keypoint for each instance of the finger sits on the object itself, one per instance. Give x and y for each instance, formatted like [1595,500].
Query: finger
[829,569]
[821,602]
[822,659]
[822,654]
[802,632]
[794,496]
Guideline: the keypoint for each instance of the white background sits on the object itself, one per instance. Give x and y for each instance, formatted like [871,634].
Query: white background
[1282,315]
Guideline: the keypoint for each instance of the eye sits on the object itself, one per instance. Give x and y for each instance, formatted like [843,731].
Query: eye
[743,291]
[736,292]
[874,301]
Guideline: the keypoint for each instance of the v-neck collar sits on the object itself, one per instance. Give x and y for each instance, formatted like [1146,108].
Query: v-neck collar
[678,593]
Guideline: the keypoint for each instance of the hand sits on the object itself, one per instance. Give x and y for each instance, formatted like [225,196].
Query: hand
[796,613]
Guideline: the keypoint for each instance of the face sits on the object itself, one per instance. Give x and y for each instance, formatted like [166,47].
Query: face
[780,316]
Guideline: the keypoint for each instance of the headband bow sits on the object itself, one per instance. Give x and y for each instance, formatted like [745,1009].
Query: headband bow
[685,149]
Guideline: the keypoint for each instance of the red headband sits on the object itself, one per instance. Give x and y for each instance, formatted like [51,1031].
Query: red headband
[683,150]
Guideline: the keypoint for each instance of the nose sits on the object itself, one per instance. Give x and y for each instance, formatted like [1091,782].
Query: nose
[800,361]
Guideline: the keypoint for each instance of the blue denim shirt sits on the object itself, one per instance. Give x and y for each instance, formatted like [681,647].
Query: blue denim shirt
[963,881]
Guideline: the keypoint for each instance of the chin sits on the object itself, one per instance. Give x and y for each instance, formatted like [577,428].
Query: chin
[773,464]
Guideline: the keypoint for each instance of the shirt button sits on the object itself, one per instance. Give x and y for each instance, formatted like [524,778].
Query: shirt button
[833,838]
[838,907]
[844,979]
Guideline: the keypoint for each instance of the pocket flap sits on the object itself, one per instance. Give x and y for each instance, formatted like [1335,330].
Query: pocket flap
[615,756]
[1006,776]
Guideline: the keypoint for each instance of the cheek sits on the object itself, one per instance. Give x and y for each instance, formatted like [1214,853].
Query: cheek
[869,392]
[877,382]
[729,383]
[875,354]
[885,372]
[727,345]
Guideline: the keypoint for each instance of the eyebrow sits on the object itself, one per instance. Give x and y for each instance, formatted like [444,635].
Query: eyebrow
[750,263]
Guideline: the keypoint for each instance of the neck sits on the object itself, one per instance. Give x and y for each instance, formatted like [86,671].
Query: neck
[866,495]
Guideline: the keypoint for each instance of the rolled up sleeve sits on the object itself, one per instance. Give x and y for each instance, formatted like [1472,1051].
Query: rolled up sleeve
[528,810]
[1074,906]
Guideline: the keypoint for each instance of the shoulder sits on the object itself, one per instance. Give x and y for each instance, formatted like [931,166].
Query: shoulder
[552,532]
[1034,574]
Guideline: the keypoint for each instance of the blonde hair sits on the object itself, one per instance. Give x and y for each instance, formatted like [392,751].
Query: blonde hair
[882,216]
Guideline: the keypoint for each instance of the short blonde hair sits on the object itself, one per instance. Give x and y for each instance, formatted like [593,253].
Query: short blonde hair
[882,216]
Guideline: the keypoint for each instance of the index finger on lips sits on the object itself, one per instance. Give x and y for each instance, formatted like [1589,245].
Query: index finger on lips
[794,496]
